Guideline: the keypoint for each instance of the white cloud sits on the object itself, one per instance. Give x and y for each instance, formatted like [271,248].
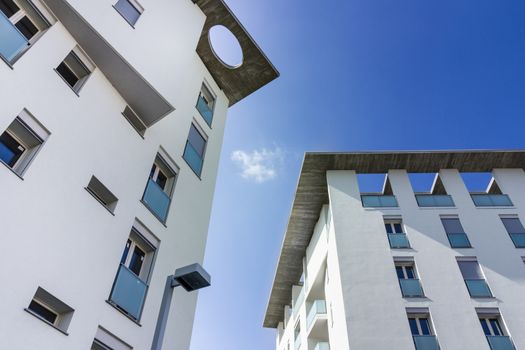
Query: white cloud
[258,165]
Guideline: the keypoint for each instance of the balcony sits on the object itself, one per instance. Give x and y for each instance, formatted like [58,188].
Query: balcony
[297,342]
[193,158]
[378,201]
[12,42]
[500,342]
[491,200]
[518,239]
[322,346]
[128,293]
[398,240]
[204,110]
[434,200]
[318,308]
[478,288]
[156,200]
[298,302]
[458,240]
[426,342]
[411,288]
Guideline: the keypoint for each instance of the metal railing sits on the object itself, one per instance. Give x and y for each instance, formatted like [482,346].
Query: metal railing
[128,292]
[157,200]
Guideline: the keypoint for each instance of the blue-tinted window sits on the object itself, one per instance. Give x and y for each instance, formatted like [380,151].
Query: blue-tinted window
[128,11]
[413,326]
[10,149]
[194,150]
[425,328]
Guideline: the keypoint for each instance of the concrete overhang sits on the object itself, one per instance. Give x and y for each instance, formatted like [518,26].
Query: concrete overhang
[312,193]
[146,102]
[256,69]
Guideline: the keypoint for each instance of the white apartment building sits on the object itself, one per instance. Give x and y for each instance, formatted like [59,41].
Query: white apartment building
[402,267]
[111,126]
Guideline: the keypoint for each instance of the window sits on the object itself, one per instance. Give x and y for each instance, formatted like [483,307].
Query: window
[21,141]
[396,237]
[456,236]
[494,329]
[51,310]
[134,120]
[515,230]
[130,10]
[429,190]
[205,104]
[422,330]
[104,340]
[75,69]
[195,149]
[407,276]
[131,283]
[161,182]
[21,22]
[474,278]
[102,194]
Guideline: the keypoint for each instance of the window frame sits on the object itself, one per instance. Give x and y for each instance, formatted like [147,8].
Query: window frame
[204,136]
[135,5]
[448,234]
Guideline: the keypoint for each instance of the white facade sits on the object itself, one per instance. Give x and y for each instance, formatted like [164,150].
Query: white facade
[57,236]
[350,266]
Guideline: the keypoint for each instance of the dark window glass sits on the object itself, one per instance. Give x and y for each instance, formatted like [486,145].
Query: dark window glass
[161,180]
[388,228]
[8,7]
[67,74]
[399,271]
[513,225]
[10,149]
[495,326]
[137,259]
[152,172]
[452,226]
[26,27]
[410,272]
[413,326]
[128,11]
[470,270]
[397,228]
[126,251]
[425,328]
[43,312]
[196,140]
[485,326]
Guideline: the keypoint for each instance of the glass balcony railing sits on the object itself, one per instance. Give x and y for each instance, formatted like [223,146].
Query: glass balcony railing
[12,42]
[434,200]
[458,240]
[426,342]
[491,200]
[318,308]
[157,200]
[411,288]
[322,346]
[398,240]
[298,303]
[205,110]
[478,288]
[500,342]
[129,292]
[193,158]
[518,239]
[297,342]
[371,201]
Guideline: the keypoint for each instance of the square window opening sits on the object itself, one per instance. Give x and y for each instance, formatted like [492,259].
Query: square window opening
[75,69]
[135,121]
[51,310]
[130,10]
[102,194]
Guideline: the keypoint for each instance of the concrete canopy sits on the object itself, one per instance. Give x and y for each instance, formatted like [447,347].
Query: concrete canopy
[312,193]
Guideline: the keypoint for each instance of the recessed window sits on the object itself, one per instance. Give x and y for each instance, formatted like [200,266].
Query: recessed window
[75,69]
[396,236]
[136,264]
[494,329]
[134,120]
[51,310]
[195,149]
[21,141]
[102,194]
[422,329]
[408,280]
[474,278]
[455,233]
[20,25]
[161,182]
[130,10]
[104,340]
[515,230]
[205,104]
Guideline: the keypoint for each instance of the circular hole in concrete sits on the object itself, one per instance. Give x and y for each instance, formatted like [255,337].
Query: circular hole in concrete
[225,46]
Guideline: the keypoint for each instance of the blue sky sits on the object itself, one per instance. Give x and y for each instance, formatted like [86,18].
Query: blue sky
[355,75]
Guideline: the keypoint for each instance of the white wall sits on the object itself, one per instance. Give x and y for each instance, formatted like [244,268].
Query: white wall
[59,237]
